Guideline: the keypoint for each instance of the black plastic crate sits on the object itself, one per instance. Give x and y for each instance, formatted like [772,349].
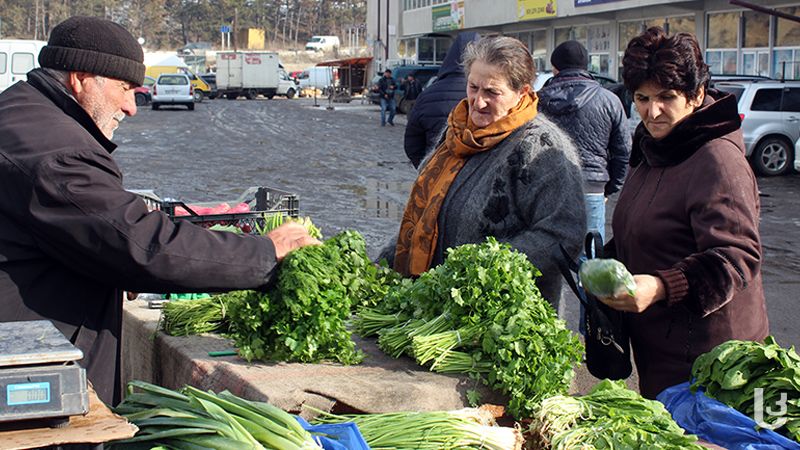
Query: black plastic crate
[262,201]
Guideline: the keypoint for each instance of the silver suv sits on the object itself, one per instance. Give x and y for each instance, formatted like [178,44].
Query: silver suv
[173,89]
[770,111]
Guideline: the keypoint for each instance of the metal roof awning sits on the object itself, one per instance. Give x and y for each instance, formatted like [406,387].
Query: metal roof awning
[349,62]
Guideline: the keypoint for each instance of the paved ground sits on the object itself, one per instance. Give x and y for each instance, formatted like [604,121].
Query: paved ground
[351,173]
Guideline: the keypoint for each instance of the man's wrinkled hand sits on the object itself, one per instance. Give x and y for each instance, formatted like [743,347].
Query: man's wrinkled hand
[290,236]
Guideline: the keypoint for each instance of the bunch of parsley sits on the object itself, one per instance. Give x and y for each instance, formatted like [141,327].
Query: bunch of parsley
[520,348]
[303,317]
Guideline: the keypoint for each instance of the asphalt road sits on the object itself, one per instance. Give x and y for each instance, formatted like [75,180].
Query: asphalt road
[351,173]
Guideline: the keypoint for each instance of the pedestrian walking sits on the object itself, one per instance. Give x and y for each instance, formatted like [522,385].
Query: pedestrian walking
[72,239]
[386,87]
[411,90]
[428,119]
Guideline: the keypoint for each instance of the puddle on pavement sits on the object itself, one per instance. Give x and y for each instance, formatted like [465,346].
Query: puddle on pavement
[385,199]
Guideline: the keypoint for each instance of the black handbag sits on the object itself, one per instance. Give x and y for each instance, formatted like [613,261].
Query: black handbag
[608,353]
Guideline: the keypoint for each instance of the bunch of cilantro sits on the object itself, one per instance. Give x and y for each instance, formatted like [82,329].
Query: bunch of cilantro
[521,346]
[303,317]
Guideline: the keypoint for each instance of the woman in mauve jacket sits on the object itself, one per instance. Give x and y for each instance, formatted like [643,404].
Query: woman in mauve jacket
[686,222]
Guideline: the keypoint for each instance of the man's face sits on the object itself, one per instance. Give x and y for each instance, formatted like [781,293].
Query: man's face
[410,78]
[107,100]
[387,74]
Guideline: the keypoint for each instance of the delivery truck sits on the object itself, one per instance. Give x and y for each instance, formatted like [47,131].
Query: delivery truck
[251,74]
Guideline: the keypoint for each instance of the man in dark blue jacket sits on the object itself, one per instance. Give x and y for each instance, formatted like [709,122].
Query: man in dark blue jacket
[428,117]
[595,118]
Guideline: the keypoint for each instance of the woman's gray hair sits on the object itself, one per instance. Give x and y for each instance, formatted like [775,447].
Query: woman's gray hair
[507,53]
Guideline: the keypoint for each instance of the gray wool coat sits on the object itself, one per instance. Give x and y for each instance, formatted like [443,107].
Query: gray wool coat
[527,191]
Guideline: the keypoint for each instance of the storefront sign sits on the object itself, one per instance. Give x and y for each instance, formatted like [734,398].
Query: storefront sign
[448,17]
[535,9]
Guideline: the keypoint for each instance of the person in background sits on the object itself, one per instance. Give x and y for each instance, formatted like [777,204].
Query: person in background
[428,118]
[595,118]
[72,239]
[686,222]
[500,170]
[411,89]
[386,87]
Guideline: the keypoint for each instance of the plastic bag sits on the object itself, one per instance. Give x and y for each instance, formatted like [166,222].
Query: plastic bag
[718,423]
[606,278]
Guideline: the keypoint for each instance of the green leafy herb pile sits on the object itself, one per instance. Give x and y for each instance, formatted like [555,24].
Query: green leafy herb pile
[302,318]
[610,416]
[480,312]
[732,371]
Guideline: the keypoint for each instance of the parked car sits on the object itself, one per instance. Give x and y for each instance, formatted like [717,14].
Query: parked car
[797,155]
[173,89]
[211,81]
[421,73]
[142,93]
[195,48]
[770,112]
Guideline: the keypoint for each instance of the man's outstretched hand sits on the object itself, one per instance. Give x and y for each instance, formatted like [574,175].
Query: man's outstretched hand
[290,236]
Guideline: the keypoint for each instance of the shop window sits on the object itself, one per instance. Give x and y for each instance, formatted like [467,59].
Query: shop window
[723,30]
[425,52]
[787,32]
[442,46]
[755,29]
[784,64]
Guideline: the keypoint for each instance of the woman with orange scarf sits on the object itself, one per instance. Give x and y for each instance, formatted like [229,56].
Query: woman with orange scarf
[500,170]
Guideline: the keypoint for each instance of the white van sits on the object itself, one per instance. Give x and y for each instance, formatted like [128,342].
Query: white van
[322,43]
[317,77]
[17,58]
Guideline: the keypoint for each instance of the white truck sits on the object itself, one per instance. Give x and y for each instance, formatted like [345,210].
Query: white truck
[251,74]
[17,58]
[322,43]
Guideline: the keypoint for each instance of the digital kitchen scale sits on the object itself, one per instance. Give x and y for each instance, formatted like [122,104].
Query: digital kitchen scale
[39,378]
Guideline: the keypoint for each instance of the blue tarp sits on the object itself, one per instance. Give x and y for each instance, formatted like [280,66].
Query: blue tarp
[345,435]
[718,423]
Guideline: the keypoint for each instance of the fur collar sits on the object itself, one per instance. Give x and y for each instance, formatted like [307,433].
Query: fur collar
[717,117]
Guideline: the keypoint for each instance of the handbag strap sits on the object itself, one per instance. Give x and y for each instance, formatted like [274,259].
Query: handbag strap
[568,267]
[593,237]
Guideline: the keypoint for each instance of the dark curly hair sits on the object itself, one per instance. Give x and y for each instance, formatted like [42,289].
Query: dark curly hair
[672,62]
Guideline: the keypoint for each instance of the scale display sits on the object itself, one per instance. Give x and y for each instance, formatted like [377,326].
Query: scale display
[28,393]
[39,376]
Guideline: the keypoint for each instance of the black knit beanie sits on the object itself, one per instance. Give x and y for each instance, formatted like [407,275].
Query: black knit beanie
[96,46]
[570,55]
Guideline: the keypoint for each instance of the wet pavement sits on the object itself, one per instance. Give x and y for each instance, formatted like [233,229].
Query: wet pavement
[351,173]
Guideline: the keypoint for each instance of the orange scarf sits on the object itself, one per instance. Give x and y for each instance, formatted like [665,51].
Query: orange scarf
[419,229]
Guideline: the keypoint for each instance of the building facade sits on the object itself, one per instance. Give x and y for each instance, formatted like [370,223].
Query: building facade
[737,37]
